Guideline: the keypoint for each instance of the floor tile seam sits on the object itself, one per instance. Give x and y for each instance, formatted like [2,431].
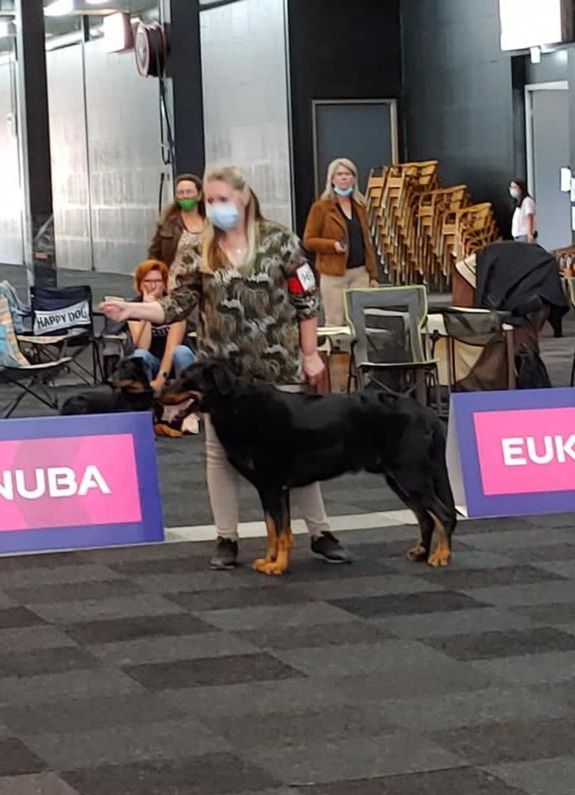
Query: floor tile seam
[415,775]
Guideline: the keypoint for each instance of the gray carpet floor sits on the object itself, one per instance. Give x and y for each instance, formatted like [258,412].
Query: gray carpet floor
[139,672]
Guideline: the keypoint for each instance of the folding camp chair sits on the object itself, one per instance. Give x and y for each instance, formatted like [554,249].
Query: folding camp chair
[388,348]
[36,380]
[63,321]
[21,313]
[480,350]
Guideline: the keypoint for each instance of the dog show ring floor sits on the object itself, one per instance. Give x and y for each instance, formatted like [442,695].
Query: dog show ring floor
[137,671]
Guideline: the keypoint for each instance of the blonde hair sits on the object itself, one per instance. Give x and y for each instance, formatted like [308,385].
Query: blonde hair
[329,192]
[236,179]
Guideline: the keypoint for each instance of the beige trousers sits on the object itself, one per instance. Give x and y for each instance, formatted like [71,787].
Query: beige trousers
[332,289]
[223,491]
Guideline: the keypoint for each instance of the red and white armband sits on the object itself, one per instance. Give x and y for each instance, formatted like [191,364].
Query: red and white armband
[303,281]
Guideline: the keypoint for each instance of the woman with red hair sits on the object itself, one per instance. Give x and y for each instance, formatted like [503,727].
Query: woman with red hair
[159,345]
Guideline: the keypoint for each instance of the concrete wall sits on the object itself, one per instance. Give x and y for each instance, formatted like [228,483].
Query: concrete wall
[338,50]
[458,95]
[246,106]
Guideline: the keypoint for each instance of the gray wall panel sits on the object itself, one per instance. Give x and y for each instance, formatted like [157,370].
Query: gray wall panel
[69,158]
[124,156]
[10,195]
[338,50]
[458,95]
[551,152]
[553,67]
[362,131]
[246,97]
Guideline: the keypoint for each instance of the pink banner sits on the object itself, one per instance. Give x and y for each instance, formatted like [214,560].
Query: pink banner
[526,451]
[71,481]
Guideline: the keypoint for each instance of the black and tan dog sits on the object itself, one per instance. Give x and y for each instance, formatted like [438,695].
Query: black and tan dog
[280,440]
[131,392]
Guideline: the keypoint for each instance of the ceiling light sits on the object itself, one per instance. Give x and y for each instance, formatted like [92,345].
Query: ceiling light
[59,8]
[96,2]
[531,23]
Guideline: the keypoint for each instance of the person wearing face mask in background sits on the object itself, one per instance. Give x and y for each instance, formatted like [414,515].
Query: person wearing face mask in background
[524,230]
[178,236]
[337,232]
[258,299]
[524,224]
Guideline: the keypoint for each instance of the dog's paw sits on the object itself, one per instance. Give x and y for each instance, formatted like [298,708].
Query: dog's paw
[440,557]
[271,567]
[161,429]
[257,564]
[418,554]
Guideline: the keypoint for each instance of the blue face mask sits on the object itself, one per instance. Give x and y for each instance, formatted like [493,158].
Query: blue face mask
[343,191]
[224,215]
[515,193]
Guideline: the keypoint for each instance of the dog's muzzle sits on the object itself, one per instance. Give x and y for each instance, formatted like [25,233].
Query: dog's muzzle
[172,397]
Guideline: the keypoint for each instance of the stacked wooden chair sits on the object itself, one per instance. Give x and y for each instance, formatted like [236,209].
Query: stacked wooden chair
[421,228]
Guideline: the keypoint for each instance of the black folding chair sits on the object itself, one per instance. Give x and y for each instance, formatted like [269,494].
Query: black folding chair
[62,324]
[36,380]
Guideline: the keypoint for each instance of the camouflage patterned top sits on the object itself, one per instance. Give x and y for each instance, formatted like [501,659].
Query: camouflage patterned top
[248,315]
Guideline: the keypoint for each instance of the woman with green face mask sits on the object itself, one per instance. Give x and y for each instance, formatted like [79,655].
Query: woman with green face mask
[178,237]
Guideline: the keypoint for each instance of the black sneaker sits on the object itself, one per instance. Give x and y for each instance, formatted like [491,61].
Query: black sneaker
[225,556]
[331,550]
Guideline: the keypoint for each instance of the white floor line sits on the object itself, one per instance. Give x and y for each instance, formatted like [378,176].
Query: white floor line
[355,521]
[206,532]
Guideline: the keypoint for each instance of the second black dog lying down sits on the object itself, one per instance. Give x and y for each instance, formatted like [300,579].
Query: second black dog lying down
[280,440]
[132,392]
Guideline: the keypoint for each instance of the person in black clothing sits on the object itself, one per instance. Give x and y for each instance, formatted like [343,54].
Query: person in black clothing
[159,345]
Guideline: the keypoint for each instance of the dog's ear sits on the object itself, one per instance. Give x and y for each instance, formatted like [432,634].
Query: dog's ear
[222,377]
[140,367]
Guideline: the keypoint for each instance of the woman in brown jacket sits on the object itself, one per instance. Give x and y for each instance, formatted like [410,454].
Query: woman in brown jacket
[178,237]
[337,231]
